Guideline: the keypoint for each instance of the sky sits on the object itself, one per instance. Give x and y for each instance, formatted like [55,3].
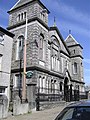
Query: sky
[71,15]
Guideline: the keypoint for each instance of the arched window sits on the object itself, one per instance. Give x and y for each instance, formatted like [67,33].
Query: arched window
[55,54]
[24,15]
[51,86]
[19,49]
[60,86]
[21,16]
[41,41]
[75,68]
[42,47]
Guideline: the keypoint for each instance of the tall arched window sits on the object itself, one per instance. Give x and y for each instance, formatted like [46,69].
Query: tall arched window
[19,49]
[60,86]
[75,68]
[42,47]
[55,54]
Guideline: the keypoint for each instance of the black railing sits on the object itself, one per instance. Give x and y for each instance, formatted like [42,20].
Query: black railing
[46,94]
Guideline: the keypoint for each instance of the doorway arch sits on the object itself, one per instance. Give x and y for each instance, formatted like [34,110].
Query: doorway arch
[66,89]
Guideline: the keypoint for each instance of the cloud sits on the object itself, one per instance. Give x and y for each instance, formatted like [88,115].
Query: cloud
[62,10]
[73,13]
[87,80]
[3,13]
[87,61]
[66,26]
[68,17]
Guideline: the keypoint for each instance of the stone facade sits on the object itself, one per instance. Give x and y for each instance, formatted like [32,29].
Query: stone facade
[6,41]
[54,62]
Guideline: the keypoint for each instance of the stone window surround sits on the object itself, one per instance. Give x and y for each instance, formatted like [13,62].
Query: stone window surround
[21,16]
[42,47]
[75,67]
[20,41]
[17,80]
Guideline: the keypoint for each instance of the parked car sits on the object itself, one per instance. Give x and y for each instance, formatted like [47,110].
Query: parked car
[76,111]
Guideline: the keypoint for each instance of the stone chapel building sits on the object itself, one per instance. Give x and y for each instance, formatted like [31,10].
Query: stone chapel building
[57,64]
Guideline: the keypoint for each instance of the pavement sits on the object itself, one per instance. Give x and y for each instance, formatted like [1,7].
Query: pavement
[48,114]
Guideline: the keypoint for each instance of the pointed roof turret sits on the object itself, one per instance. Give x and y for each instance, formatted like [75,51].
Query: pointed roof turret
[70,40]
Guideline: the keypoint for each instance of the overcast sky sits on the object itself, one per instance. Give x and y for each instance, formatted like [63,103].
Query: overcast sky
[71,15]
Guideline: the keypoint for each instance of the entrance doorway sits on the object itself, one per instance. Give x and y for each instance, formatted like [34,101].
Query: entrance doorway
[66,90]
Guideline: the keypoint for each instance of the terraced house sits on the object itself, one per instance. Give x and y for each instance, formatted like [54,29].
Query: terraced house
[56,64]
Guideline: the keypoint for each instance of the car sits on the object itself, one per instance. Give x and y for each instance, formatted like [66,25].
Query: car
[75,111]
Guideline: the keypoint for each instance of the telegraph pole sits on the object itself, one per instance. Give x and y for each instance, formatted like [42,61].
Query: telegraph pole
[24,77]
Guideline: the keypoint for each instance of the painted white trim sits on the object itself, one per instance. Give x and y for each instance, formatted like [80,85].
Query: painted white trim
[72,38]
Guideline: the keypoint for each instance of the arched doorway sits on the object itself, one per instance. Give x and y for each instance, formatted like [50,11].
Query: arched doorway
[66,90]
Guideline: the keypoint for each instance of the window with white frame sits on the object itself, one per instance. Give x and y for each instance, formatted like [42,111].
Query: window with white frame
[75,68]
[19,49]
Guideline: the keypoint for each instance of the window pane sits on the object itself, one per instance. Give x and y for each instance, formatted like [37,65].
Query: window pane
[20,44]
[75,67]
[66,114]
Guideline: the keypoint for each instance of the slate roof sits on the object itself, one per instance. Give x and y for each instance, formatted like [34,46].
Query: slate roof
[24,2]
[6,32]
[70,41]
[20,3]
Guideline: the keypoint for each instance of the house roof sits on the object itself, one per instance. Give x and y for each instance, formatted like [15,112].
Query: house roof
[21,3]
[6,32]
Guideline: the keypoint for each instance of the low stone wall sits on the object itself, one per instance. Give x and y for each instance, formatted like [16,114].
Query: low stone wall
[20,108]
[48,105]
